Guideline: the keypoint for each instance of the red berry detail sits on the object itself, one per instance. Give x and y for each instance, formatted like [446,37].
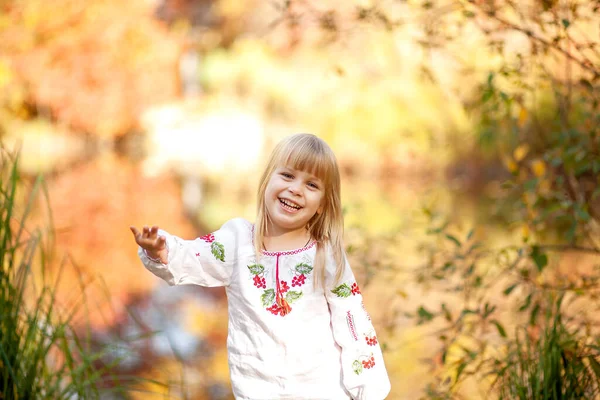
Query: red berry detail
[209,238]
[284,287]
[355,289]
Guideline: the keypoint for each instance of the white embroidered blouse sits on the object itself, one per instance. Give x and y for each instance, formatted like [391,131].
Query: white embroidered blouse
[315,345]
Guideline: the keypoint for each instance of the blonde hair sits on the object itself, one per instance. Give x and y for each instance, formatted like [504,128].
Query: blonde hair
[307,152]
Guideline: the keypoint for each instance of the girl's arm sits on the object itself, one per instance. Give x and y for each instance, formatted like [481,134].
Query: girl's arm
[364,372]
[205,261]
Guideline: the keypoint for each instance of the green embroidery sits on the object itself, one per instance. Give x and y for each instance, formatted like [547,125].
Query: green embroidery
[268,297]
[357,367]
[303,268]
[342,291]
[292,296]
[218,250]
[256,269]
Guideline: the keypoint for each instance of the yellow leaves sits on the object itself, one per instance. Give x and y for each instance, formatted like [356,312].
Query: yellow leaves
[538,167]
[523,116]
[510,164]
[545,187]
[521,151]
[525,232]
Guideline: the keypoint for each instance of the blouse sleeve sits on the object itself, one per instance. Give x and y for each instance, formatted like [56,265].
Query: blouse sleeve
[364,373]
[205,261]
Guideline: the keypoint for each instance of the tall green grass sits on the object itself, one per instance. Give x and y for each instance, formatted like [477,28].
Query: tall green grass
[559,365]
[41,354]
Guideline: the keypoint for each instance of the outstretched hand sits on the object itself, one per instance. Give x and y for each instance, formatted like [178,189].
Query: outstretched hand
[149,240]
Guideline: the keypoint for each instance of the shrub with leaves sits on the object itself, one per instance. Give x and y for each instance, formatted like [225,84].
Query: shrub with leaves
[41,354]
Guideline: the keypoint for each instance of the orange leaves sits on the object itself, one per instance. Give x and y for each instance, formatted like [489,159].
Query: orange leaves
[94,67]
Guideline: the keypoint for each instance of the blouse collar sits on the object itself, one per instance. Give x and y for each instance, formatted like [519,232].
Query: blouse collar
[309,246]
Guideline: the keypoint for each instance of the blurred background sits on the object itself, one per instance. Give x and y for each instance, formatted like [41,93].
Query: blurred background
[467,135]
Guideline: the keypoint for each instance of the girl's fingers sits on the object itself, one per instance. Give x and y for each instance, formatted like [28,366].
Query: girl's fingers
[148,238]
[137,234]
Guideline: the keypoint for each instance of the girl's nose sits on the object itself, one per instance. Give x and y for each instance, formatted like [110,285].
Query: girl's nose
[294,188]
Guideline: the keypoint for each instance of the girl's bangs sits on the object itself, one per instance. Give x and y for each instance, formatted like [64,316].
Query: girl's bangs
[311,157]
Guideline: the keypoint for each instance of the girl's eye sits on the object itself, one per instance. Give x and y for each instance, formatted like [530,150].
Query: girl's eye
[287,175]
[313,185]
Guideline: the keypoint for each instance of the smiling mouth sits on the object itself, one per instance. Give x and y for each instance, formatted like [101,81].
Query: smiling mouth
[289,206]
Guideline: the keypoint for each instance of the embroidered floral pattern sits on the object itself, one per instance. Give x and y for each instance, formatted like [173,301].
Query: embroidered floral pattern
[208,238]
[216,248]
[269,297]
[363,362]
[371,339]
[260,282]
[344,290]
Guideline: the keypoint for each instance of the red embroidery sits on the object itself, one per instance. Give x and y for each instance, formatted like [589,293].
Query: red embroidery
[260,282]
[369,362]
[298,280]
[284,287]
[277,301]
[276,310]
[366,362]
[197,254]
[371,340]
[350,321]
[208,238]
[344,290]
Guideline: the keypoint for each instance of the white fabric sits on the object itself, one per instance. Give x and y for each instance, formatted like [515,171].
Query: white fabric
[312,353]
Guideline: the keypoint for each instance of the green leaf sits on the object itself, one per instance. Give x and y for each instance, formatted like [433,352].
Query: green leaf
[342,291]
[268,297]
[447,313]
[531,184]
[292,296]
[487,311]
[509,289]
[469,271]
[453,239]
[534,313]
[256,269]
[526,304]
[357,367]
[540,259]
[303,268]
[582,214]
[468,311]
[565,23]
[470,234]
[500,328]
[218,250]
[461,368]
[424,314]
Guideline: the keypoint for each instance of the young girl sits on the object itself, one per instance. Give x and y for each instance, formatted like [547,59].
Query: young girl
[298,328]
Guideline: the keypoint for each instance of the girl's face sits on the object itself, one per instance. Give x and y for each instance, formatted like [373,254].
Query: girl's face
[292,198]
